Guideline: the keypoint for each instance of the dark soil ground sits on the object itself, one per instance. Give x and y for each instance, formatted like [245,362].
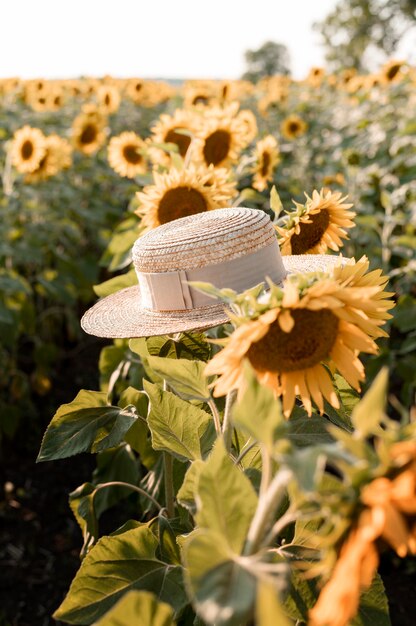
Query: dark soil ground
[40,540]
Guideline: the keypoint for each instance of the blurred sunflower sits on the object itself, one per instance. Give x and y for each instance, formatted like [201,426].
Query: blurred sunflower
[220,140]
[169,129]
[317,225]
[109,98]
[392,71]
[57,157]
[181,193]
[293,126]
[248,120]
[301,329]
[27,149]
[267,157]
[134,89]
[87,133]
[199,93]
[389,512]
[126,154]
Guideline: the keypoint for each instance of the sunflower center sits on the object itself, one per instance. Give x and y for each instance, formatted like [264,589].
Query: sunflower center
[393,70]
[310,233]
[217,146]
[200,100]
[107,99]
[182,141]
[180,202]
[88,134]
[131,155]
[27,149]
[265,161]
[308,343]
[294,127]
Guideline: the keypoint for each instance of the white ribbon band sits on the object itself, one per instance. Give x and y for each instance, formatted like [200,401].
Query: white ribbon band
[170,291]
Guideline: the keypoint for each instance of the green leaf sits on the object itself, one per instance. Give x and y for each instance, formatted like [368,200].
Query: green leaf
[226,500]
[116,464]
[374,606]
[184,376]
[223,592]
[187,493]
[87,424]
[176,426]
[259,412]
[115,284]
[275,202]
[307,431]
[138,608]
[370,411]
[115,565]
[269,611]
[81,502]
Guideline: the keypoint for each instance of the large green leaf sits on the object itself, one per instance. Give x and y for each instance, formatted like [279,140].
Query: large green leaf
[115,565]
[138,608]
[115,284]
[223,593]
[370,411]
[87,424]
[259,412]
[226,500]
[269,611]
[373,609]
[189,488]
[184,376]
[176,426]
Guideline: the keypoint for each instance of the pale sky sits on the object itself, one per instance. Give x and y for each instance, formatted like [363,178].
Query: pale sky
[153,38]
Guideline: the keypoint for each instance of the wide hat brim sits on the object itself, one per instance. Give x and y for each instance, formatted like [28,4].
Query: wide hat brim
[121,315]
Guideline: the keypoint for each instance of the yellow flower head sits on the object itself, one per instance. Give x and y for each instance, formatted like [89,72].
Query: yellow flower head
[28,149]
[293,126]
[87,132]
[109,98]
[221,137]
[308,323]
[267,157]
[317,225]
[178,129]
[126,154]
[180,193]
[57,157]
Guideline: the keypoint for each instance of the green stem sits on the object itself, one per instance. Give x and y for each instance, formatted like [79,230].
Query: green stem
[119,483]
[215,415]
[227,425]
[169,492]
[265,509]
[266,469]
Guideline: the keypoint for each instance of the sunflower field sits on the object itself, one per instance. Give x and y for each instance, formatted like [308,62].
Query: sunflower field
[259,472]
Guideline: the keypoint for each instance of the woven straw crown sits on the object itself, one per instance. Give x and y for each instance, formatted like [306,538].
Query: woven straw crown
[236,244]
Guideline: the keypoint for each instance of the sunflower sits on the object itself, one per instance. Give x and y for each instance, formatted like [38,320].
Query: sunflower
[317,225]
[182,193]
[199,93]
[57,157]
[392,71]
[220,139]
[247,119]
[28,149]
[169,129]
[87,133]
[267,157]
[109,98]
[126,154]
[293,126]
[300,332]
[389,513]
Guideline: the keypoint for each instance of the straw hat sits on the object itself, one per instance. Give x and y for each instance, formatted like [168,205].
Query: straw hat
[232,247]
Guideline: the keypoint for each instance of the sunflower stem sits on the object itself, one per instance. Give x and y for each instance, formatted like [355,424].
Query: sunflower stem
[168,475]
[216,416]
[266,507]
[227,425]
[266,469]
[169,492]
[119,483]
